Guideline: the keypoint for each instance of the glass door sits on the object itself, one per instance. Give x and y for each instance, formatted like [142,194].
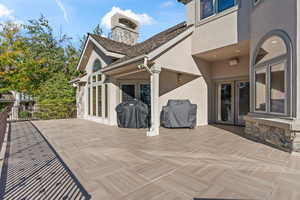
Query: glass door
[128,92]
[225,111]
[242,101]
[145,94]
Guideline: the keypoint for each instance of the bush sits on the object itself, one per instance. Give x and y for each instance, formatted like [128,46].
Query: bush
[56,99]
[25,115]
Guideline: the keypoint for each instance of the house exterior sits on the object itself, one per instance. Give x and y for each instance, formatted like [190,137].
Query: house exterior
[21,102]
[236,59]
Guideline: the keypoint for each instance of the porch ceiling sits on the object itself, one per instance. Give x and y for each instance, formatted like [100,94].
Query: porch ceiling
[228,52]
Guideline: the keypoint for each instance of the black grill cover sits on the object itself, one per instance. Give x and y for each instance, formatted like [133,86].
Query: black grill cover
[179,114]
[132,114]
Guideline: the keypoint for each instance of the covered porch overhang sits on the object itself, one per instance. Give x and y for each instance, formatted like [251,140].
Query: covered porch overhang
[163,82]
[137,70]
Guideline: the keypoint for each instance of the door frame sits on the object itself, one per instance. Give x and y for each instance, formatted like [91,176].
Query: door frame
[235,99]
[218,102]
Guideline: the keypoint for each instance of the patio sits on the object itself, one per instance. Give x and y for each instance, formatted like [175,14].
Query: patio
[208,162]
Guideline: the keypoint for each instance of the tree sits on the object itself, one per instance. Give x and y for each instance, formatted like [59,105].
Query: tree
[56,98]
[97,31]
[35,62]
[19,69]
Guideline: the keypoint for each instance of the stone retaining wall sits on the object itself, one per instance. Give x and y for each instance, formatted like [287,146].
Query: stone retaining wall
[279,137]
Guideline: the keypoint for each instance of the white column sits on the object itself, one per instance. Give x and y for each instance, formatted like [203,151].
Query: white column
[155,114]
[16,107]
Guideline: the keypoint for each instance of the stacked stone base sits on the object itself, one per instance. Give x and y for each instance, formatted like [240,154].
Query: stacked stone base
[280,137]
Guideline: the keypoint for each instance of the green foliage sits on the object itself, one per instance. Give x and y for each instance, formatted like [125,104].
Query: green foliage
[97,31]
[56,98]
[33,61]
[24,115]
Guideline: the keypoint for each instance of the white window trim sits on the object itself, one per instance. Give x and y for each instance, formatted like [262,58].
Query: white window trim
[216,14]
[92,84]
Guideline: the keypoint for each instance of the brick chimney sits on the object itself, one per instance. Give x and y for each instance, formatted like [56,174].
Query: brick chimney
[124,29]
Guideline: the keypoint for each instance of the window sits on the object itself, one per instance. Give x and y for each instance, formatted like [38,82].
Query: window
[89,101]
[97,65]
[207,8]
[271,65]
[99,77]
[260,88]
[99,101]
[94,101]
[106,101]
[225,4]
[212,7]
[277,83]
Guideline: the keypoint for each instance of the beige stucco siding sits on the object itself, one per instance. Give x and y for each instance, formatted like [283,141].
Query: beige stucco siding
[278,15]
[224,29]
[191,88]
[179,58]
[182,78]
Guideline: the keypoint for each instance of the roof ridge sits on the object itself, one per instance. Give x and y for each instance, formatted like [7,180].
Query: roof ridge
[96,35]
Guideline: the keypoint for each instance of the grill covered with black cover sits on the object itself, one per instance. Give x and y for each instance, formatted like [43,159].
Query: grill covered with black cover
[132,114]
[179,114]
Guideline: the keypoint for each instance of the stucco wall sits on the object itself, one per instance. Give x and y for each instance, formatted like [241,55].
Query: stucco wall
[191,87]
[192,83]
[222,69]
[277,15]
[179,58]
[226,28]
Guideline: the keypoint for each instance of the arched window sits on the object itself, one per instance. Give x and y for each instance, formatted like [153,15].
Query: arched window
[97,65]
[271,74]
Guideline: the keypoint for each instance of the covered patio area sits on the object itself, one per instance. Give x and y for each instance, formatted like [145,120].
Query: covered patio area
[207,162]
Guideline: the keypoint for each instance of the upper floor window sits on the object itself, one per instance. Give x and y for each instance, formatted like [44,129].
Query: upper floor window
[212,7]
[97,65]
[271,75]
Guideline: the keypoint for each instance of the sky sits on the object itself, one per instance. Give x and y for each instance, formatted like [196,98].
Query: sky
[77,17]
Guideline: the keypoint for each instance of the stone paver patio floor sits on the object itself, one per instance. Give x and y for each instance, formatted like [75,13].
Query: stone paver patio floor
[208,162]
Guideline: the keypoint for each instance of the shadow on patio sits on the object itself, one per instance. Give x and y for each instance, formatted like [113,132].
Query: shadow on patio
[32,169]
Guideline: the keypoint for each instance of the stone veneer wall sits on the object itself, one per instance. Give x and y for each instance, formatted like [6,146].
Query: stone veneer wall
[121,34]
[281,138]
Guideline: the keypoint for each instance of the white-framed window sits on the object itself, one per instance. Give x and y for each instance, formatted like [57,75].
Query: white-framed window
[96,91]
[209,8]
[271,75]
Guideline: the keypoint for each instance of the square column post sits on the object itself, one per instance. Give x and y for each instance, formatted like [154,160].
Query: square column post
[155,114]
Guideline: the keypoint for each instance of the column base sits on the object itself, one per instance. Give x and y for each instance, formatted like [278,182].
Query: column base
[153,132]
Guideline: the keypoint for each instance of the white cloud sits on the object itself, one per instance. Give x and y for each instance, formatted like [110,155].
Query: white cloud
[5,12]
[167,4]
[63,9]
[144,18]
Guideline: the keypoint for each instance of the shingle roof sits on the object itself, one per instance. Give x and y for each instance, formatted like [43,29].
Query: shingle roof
[111,45]
[154,42]
[141,48]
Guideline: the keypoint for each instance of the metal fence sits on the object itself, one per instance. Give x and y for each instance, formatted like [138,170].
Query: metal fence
[3,123]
